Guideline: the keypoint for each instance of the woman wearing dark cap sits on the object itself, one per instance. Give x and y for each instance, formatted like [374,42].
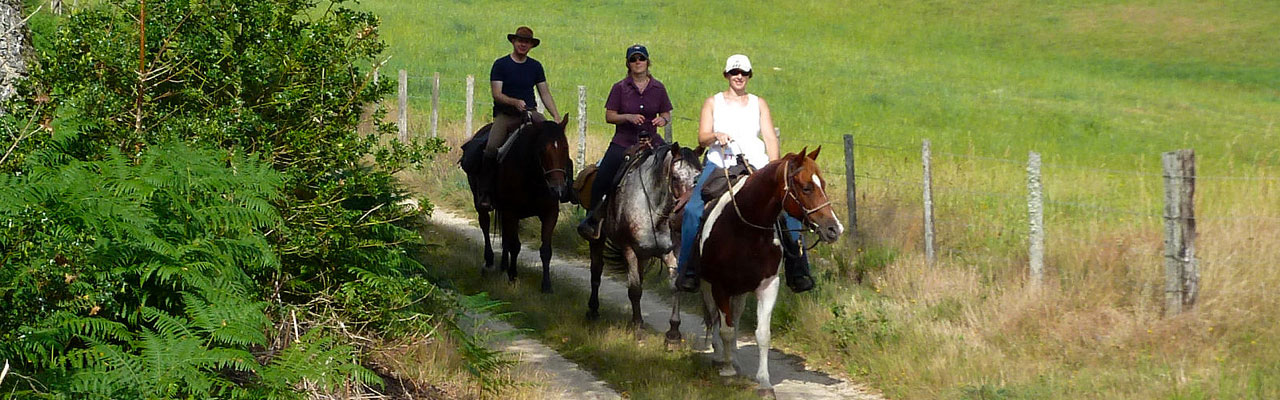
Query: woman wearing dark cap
[638,105]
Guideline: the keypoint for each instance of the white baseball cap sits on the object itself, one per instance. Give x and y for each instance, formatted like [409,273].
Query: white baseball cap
[737,61]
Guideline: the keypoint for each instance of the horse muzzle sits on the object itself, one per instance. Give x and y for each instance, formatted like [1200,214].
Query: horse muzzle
[828,229]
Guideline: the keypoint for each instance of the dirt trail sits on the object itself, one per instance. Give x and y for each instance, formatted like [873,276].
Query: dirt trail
[790,377]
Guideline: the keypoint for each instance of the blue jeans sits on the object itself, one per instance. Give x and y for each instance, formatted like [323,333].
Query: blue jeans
[693,211]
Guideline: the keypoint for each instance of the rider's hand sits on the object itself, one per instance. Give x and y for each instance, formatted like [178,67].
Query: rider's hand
[722,139]
[636,119]
[658,121]
[520,105]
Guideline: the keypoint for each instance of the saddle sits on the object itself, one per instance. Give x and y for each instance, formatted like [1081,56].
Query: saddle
[586,178]
[472,159]
[718,182]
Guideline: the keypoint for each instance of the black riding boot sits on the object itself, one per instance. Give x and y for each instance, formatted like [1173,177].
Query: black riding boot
[488,182]
[689,280]
[589,228]
[795,261]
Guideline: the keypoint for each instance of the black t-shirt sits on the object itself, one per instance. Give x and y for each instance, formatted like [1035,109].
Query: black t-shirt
[518,80]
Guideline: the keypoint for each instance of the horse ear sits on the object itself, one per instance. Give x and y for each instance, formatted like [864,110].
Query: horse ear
[565,120]
[814,154]
[803,150]
[697,151]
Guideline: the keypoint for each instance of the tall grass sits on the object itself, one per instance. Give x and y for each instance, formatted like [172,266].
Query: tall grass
[1099,88]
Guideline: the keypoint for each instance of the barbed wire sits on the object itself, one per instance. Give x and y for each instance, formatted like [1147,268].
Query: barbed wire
[598,99]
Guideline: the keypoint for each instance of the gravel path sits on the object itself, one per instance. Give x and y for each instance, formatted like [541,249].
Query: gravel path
[789,375]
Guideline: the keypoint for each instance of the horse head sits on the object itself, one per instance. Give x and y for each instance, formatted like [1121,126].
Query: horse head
[805,195]
[553,156]
[684,169]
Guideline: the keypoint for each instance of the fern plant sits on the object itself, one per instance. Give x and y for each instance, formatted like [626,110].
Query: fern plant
[133,279]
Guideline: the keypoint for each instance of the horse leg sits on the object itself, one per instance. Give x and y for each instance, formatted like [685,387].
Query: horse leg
[510,246]
[635,280]
[488,243]
[597,268]
[673,333]
[548,229]
[712,321]
[728,337]
[766,295]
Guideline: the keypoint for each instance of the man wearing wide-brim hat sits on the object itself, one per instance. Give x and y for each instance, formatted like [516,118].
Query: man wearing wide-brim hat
[512,80]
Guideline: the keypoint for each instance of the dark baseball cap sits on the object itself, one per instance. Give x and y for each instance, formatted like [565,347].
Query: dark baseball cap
[637,49]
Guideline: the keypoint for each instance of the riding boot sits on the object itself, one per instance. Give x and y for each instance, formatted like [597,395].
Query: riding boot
[488,182]
[795,262]
[589,228]
[689,280]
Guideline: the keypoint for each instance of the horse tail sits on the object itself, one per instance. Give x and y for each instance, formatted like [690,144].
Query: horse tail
[612,256]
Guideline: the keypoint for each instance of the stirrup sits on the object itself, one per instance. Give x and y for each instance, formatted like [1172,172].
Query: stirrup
[589,228]
[688,283]
[800,284]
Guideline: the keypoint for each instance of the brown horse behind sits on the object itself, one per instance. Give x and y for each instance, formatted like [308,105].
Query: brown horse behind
[532,180]
[740,252]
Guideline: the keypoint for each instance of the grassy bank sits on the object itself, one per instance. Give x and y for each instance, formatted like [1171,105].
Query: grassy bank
[1099,88]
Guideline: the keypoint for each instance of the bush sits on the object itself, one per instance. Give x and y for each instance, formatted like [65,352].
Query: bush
[180,181]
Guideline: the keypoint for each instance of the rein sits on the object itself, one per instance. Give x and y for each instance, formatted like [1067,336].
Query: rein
[790,195]
[733,199]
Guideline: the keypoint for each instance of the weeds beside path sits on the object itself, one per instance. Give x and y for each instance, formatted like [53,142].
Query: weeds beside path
[792,380]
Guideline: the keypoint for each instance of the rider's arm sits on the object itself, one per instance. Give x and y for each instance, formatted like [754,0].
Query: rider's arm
[705,123]
[550,103]
[496,88]
[767,133]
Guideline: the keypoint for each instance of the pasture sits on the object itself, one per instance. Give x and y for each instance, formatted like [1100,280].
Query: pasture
[1098,88]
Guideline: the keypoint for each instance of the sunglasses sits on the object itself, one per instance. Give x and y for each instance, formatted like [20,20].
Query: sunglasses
[735,72]
[637,58]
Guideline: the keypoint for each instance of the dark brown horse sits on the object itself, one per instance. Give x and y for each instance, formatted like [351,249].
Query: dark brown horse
[638,218]
[740,251]
[533,178]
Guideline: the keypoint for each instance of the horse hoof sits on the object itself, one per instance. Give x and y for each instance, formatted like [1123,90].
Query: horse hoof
[766,393]
[546,289]
[727,370]
[593,315]
[674,344]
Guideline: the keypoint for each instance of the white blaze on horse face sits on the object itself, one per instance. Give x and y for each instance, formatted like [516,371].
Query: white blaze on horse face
[817,181]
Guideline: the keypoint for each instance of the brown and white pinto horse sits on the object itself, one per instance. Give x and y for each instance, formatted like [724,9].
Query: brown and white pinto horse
[740,252]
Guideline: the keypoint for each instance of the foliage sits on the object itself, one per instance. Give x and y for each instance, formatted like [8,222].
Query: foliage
[180,172]
[134,278]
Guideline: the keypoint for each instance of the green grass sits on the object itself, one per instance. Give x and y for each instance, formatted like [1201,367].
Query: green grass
[1098,88]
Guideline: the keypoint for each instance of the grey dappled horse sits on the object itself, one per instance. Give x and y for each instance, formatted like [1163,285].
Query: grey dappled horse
[638,221]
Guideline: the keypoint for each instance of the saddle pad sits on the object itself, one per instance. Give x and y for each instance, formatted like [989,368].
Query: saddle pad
[582,185]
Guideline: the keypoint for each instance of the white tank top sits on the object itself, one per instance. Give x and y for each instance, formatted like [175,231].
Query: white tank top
[742,124]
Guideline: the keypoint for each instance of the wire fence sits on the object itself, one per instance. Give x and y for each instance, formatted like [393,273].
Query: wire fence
[997,183]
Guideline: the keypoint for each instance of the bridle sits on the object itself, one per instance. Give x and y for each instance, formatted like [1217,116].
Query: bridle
[786,188]
[789,194]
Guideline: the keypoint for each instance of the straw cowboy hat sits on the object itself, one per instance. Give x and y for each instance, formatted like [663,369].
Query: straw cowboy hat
[523,33]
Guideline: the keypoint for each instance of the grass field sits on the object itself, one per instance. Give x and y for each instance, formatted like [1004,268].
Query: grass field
[1099,88]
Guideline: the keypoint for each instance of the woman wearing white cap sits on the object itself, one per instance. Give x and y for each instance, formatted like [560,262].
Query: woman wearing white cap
[743,120]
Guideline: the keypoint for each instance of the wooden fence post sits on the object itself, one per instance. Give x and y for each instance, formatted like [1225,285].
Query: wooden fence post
[666,132]
[471,103]
[850,188]
[929,254]
[582,127]
[1035,210]
[435,105]
[403,110]
[1181,273]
